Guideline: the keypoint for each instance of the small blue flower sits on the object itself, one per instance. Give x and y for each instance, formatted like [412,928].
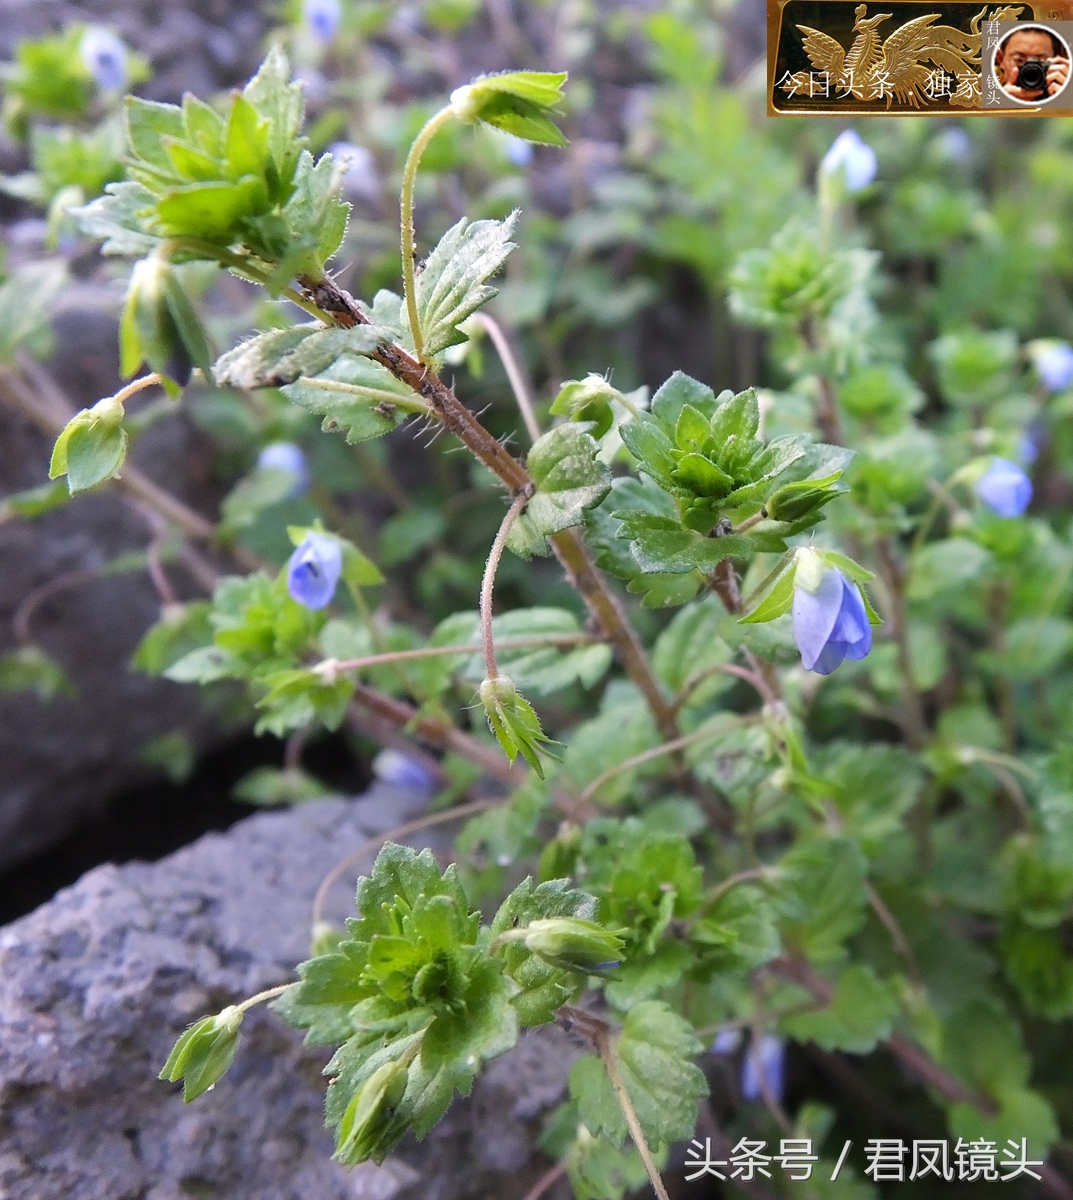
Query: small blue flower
[361,179]
[323,18]
[1054,365]
[105,56]
[286,456]
[726,1041]
[954,144]
[391,766]
[1032,442]
[852,156]
[518,150]
[314,570]
[1005,488]
[765,1061]
[831,623]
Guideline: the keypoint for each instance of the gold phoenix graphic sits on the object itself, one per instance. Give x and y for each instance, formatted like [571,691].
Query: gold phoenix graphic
[919,61]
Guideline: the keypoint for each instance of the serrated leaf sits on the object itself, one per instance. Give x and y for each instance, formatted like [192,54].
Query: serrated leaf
[281,356]
[654,1052]
[569,478]
[453,283]
[356,396]
[281,104]
[119,219]
[820,896]
[860,1015]
[661,544]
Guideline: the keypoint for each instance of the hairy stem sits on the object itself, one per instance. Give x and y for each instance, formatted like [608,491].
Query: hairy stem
[488,582]
[338,307]
[515,643]
[406,203]
[604,1042]
[261,997]
[515,375]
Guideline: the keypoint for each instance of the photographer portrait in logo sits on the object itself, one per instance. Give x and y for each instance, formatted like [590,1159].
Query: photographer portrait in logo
[1031,64]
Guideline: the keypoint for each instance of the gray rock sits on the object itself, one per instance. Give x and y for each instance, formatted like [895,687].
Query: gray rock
[96,985]
[60,762]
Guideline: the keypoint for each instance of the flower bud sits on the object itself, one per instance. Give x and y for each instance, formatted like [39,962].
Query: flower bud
[587,399]
[369,1112]
[793,501]
[764,1069]
[573,944]
[204,1052]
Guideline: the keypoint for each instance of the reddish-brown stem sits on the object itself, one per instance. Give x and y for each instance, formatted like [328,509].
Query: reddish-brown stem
[342,309]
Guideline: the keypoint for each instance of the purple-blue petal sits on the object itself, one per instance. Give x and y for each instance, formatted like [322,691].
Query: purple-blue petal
[852,629]
[768,1062]
[1005,488]
[314,570]
[814,615]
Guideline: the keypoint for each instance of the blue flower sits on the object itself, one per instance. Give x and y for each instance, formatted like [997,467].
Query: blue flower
[854,157]
[726,1041]
[286,456]
[361,180]
[519,152]
[1005,488]
[391,766]
[831,623]
[323,18]
[766,1061]
[1054,365]
[314,570]
[105,57]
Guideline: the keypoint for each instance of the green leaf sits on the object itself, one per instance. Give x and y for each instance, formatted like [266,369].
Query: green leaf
[778,601]
[738,933]
[662,544]
[942,566]
[654,1052]
[820,896]
[356,396]
[118,219]
[33,502]
[283,355]
[453,283]
[690,646]
[859,1017]
[281,104]
[569,478]
[204,1052]
[30,669]
[1038,965]
[296,698]
[267,787]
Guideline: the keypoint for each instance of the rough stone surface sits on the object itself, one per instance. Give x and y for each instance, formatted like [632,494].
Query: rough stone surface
[96,985]
[61,761]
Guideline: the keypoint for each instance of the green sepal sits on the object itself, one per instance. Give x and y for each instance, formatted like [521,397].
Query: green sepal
[514,722]
[92,446]
[204,1052]
[517,102]
[793,501]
